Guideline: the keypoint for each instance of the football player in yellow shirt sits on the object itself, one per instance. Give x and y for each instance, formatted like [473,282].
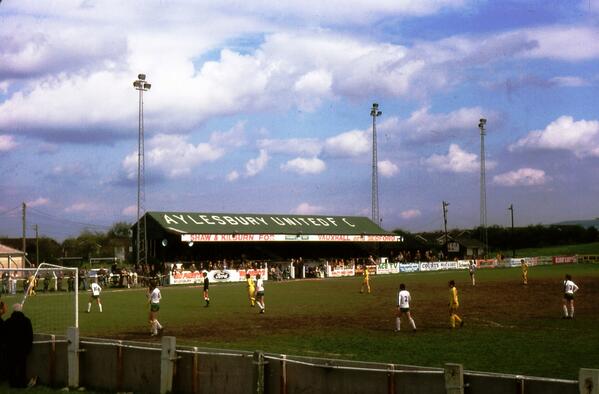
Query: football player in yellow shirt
[453,306]
[251,289]
[366,280]
[524,271]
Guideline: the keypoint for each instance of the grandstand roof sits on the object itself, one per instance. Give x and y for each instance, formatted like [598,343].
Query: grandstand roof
[231,227]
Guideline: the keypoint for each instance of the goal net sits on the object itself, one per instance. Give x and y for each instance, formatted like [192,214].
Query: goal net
[48,293]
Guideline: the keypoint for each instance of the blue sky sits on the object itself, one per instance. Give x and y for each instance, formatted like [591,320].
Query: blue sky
[263,107]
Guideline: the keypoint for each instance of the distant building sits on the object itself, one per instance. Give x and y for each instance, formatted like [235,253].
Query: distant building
[11,258]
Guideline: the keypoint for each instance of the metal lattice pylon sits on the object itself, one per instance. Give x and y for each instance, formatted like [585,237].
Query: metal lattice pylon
[141,85]
[374,112]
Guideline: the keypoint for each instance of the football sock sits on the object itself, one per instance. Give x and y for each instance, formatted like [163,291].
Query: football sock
[397,323]
[572,311]
[89,307]
[412,323]
[100,305]
[565,311]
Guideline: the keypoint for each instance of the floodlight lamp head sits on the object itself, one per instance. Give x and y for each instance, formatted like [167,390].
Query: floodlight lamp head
[147,86]
[482,123]
[141,77]
[379,113]
[375,105]
[136,84]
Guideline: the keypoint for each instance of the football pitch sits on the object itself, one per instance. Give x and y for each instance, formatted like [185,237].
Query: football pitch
[509,327]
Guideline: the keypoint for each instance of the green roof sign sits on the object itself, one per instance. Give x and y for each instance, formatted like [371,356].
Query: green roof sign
[198,227]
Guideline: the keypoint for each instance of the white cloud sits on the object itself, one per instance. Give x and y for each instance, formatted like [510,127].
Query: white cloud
[234,137]
[81,207]
[130,211]
[423,125]
[410,214]
[38,202]
[304,166]
[387,168]
[71,169]
[232,176]
[172,156]
[579,137]
[569,43]
[568,81]
[522,177]
[294,146]
[311,87]
[255,166]
[307,209]
[351,143]
[344,11]
[7,143]
[456,160]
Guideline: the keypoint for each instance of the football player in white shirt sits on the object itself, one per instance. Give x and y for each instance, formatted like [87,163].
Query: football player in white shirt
[96,290]
[154,298]
[569,289]
[403,307]
[260,292]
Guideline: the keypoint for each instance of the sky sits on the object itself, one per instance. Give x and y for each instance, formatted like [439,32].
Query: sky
[264,107]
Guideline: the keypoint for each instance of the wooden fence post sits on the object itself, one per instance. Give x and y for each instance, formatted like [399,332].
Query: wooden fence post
[258,361]
[73,356]
[454,378]
[588,381]
[167,364]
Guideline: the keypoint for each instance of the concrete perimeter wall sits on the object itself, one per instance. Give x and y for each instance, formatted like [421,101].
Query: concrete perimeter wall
[118,366]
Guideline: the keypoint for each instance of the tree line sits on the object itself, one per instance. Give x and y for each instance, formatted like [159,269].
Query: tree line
[94,244]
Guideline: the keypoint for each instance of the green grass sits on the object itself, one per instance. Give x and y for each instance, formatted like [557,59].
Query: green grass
[562,250]
[329,318]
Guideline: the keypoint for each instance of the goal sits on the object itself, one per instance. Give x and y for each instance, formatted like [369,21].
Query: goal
[49,295]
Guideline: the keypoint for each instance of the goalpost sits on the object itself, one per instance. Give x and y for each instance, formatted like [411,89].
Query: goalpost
[49,295]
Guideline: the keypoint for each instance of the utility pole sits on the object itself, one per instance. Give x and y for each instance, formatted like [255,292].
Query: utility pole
[445,205]
[483,187]
[511,209]
[24,220]
[37,246]
[374,112]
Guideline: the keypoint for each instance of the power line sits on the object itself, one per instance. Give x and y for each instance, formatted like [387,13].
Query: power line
[10,210]
[61,219]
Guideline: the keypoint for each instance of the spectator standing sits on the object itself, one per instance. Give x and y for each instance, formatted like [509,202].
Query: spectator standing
[83,279]
[453,306]
[4,286]
[18,334]
[3,366]
[569,289]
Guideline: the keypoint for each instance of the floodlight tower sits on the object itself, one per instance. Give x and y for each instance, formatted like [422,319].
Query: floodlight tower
[483,186]
[141,85]
[374,112]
